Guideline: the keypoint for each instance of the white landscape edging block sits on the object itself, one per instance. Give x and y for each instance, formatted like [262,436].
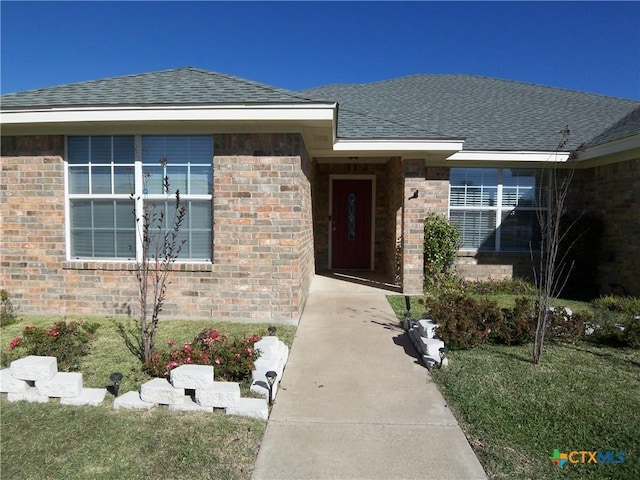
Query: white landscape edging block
[10,384]
[190,406]
[221,395]
[261,387]
[159,390]
[250,407]
[88,396]
[32,395]
[431,346]
[194,377]
[427,328]
[34,367]
[62,384]
[131,401]
[263,365]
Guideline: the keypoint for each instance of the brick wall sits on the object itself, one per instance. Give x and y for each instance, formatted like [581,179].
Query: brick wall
[612,193]
[263,240]
[480,266]
[394,182]
[415,210]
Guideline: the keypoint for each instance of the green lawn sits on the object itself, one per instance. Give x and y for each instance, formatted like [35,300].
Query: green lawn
[58,442]
[515,414]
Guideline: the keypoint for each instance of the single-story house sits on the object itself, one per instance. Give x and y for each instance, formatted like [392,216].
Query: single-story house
[280,185]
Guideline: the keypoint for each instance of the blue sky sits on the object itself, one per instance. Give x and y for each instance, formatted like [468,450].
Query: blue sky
[586,46]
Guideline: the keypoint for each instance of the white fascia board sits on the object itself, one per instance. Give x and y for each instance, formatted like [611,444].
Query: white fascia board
[315,112]
[515,156]
[617,146]
[382,145]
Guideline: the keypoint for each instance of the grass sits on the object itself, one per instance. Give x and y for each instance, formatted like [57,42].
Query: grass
[61,442]
[515,414]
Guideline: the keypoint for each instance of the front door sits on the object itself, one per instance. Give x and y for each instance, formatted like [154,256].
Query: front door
[351,223]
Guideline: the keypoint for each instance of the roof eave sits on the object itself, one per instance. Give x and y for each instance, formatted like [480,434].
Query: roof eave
[396,146]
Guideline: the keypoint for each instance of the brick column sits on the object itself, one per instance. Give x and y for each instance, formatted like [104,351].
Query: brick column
[414,212]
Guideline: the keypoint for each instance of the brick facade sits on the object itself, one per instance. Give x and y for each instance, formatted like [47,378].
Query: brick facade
[394,184]
[263,237]
[271,231]
[612,193]
[415,211]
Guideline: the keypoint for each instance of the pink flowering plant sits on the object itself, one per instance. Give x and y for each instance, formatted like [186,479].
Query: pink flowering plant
[232,358]
[67,341]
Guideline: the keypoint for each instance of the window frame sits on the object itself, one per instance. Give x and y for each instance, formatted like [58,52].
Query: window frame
[136,199]
[499,209]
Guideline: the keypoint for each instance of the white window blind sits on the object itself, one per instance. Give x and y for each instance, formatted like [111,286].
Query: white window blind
[102,175]
[496,209]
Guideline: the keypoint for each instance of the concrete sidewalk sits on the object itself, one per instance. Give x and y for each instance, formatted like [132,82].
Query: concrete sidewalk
[354,403]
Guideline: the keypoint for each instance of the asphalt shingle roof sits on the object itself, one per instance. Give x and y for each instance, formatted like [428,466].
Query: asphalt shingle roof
[181,86]
[492,114]
[627,126]
[489,113]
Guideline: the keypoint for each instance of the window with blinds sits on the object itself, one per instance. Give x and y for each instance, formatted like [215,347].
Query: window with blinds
[496,209]
[104,173]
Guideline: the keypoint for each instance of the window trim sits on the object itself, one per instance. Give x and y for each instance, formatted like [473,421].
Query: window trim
[138,200]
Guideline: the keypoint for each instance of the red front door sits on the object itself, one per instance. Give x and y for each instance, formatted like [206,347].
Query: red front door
[351,223]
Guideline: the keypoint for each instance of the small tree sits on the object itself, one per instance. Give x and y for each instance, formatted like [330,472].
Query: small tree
[160,247]
[553,268]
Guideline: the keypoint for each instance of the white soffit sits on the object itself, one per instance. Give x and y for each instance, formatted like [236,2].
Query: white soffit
[516,156]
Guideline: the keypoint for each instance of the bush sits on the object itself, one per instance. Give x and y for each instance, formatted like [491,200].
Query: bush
[464,322]
[68,342]
[565,327]
[8,312]
[232,359]
[616,321]
[516,326]
[625,305]
[441,243]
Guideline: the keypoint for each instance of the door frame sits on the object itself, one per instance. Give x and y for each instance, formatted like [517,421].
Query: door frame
[333,177]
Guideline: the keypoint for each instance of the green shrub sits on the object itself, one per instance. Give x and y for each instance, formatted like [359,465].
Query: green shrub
[616,321]
[631,332]
[516,325]
[613,303]
[68,342]
[232,359]
[566,328]
[441,244]
[8,312]
[464,321]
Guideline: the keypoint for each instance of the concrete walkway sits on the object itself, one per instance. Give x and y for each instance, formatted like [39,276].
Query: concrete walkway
[353,404]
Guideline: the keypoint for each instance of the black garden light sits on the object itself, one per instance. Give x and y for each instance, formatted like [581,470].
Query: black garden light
[408,321]
[272,330]
[116,378]
[443,353]
[271,379]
